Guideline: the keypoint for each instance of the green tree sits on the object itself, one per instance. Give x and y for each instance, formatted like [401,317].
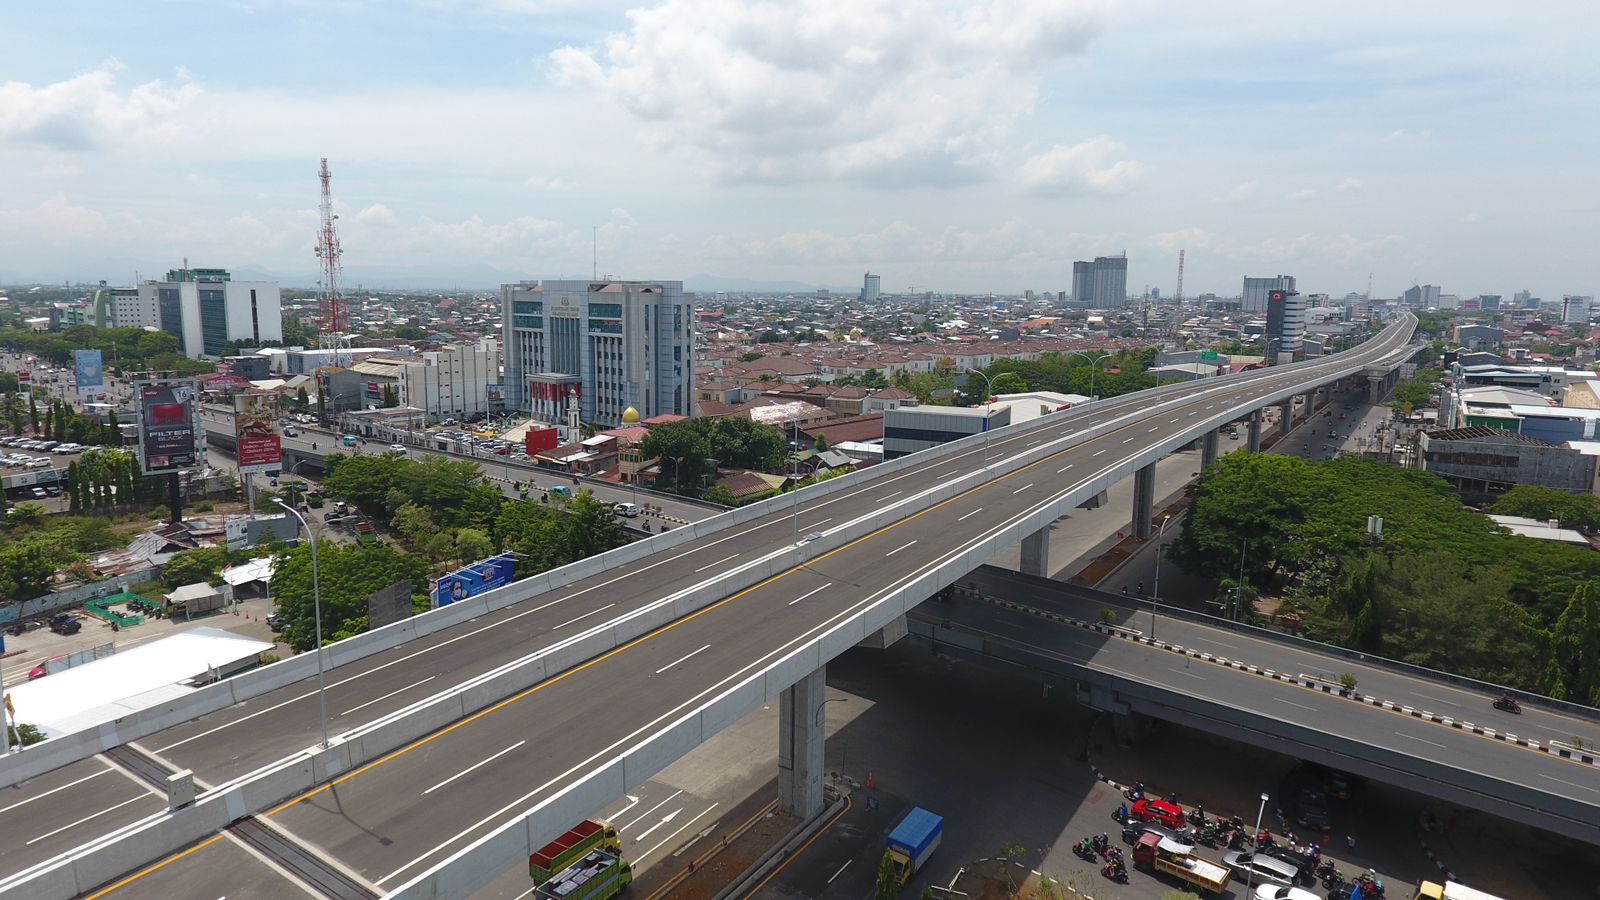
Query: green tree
[1008,383]
[350,573]
[191,566]
[1573,670]
[820,444]
[1533,502]
[872,379]
[721,496]
[28,565]
[888,886]
[683,449]
[33,412]
[473,545]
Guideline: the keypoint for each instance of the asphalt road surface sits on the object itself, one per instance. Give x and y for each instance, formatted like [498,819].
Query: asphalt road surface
[457,780]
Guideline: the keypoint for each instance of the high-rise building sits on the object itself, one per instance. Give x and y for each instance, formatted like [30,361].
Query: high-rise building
[453,382]
[1256,291]
[132,309]
[1575,310]
[1102,283]
[871,286]
[1286,324]
[615,344]
[206,310]
[1524,299]
[1488,302]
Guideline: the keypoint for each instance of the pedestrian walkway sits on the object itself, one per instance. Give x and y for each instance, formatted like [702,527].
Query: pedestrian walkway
[701,868]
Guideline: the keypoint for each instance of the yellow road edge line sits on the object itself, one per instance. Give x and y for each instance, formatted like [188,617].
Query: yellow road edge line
[146,871]
[715,849]
[848,802]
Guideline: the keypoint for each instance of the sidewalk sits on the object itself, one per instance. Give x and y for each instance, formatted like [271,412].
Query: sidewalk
[711,862]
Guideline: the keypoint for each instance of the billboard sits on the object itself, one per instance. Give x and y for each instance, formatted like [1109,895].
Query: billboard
[91,375]
[166,427]
[255,418]
[480,577]
[537,440]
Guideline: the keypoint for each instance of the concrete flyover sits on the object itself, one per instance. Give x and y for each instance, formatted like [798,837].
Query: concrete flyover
[581,683]
[1423,731]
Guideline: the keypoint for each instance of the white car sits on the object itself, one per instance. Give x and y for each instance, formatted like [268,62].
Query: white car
[1278,892]
[397,449]
[39,463]
[627,510]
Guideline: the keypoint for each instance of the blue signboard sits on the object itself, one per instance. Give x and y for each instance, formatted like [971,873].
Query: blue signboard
[91,376]
[478,578]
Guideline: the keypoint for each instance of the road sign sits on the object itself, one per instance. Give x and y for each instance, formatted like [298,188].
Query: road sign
[1208,356]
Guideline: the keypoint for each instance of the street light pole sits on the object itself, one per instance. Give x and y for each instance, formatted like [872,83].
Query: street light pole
[987,391]
[316,607]
[1094,367]
[1238,588]
[1155,594]
[1250,873]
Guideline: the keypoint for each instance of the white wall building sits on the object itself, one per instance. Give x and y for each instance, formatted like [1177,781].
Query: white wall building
[1254,297]
[871,286]
[205,314]
[132,308]
[1575,309]
[453,382]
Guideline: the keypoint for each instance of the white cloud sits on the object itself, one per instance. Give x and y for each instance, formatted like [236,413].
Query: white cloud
[89,110]
[1080,168]
[1241,191]
[377,214]
[887,91]
[548,184]
[1472,218]
[1349,186]
[1303,194]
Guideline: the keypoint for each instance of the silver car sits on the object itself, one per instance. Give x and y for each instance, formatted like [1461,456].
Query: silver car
[1265,868]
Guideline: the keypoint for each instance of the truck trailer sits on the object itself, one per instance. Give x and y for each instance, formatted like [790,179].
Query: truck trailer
[913,841]
[599,875]
[577,842]
[1163,854]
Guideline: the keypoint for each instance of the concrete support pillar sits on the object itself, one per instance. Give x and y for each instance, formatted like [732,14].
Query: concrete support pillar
[1375,389]
[802,727]
[1286,416]
[1253,433]
[1144,500]
[1129,727]
[1208,449]
[887,635]
[1036,553]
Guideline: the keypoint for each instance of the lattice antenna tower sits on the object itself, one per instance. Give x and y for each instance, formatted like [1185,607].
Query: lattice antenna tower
[332,312]
[1177,300]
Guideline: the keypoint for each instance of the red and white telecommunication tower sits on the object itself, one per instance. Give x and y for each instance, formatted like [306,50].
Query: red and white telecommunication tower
[333,314]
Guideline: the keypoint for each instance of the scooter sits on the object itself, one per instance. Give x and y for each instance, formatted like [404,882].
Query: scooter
[1115,871]
[1508,704]
[1084,850]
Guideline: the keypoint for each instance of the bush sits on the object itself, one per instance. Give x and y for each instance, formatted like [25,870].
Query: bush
[30,735]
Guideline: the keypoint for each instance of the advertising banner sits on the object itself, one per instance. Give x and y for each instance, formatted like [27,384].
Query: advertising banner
[91,374]
[480,577]
[166,427]
[255,426]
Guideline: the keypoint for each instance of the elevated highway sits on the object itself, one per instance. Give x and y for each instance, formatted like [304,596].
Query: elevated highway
[467,737]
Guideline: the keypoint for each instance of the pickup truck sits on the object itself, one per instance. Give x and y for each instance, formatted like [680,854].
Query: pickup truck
[1169,857]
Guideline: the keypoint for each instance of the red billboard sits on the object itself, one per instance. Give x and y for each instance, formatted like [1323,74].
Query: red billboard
[540,439]
[166,427]
[255,418]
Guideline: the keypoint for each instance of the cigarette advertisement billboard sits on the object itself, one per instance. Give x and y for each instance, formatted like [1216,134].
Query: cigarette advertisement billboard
[166,427]
[255,427]
[89,368]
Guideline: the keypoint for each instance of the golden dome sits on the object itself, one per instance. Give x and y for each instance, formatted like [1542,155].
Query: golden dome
[630,416]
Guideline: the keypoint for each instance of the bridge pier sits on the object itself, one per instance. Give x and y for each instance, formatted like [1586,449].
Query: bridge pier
[1144,501]
[886,636]
[1286,416]
[1253,433]
[1036,553]
[1208,449]
[802,727]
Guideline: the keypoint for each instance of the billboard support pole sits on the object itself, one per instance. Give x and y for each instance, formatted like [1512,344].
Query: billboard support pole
[174,498]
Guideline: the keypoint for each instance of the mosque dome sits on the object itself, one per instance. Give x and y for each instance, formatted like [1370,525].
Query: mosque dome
[630,416]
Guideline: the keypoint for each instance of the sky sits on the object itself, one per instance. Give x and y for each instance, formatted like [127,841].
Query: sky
[950,146]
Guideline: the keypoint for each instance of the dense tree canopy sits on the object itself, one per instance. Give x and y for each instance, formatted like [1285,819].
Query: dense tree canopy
[687,449]
[348,575]
[1533,502]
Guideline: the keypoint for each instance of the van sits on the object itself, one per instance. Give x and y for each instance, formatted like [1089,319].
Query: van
[627,510]
[397,449]
[561,490]
[350,440]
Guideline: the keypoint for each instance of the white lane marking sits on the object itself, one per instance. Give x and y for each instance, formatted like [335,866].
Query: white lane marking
[675,833]
[388,695]
[1151,430]
[1034,441]
[584,616]
[715,564]
[899,548]
[1423,740]
[85,819]
[895,494]
[1098,452]
[646,814]
[1569,784]
[1021,489]
[1173,421]
[1190,674]
[477,765]
[841,870]
[815,525]
[970,514]
[7,809]
[632,802]
[665,820]
[1127,440]
[681,659]
[810,592]
[1292,703]
[1064,468]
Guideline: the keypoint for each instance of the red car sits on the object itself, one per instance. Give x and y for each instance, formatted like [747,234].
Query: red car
[1168,814]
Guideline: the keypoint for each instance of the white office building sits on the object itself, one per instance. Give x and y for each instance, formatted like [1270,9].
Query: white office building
[871,286]
[1101,283]
[131,308]
[205,309]
[1575,309]
[1256,290]
[456,382]
[617,345]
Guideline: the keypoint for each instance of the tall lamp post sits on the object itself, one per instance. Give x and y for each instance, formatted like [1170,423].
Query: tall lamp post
[1250,874]
[1094,367]
[316,606]
[987,392]
[1155,594]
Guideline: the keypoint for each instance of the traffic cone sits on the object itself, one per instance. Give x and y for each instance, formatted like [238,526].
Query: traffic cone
[872,783]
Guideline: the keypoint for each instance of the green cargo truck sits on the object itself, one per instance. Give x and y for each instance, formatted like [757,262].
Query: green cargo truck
[600,875]
[578,841]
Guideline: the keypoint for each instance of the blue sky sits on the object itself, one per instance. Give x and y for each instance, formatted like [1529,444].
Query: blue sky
[955,146]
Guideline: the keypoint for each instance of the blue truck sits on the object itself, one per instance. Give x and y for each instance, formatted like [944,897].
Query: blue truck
[913,841]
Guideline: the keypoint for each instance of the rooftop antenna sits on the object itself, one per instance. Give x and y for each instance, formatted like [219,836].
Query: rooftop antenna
[594,251]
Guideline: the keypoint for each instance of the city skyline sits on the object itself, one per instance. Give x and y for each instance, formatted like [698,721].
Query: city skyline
[953,147]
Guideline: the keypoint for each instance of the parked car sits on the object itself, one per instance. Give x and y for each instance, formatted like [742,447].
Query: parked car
[38,493]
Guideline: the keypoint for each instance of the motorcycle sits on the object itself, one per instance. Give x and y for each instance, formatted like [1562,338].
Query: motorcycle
[1197,816]
[1084,850]
[1115,871]
[1508,704]
[1331,878]
[1120,813]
